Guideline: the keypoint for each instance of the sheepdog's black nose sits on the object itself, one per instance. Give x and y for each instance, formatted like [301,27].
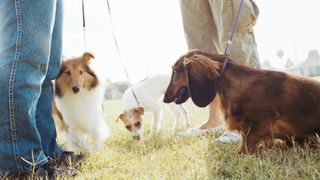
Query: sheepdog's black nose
[75,89]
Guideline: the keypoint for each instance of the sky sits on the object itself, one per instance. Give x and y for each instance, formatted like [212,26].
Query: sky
[151,38]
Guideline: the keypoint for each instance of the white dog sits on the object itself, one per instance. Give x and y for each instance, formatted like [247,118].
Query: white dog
[79,98]
[146,96]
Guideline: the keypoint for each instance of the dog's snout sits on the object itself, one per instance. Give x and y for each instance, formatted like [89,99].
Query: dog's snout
[167,98]
[75,89]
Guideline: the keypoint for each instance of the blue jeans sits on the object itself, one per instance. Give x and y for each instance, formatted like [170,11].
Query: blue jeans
[30,57]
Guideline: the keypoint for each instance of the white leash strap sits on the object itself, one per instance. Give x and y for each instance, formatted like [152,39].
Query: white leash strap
[118,50]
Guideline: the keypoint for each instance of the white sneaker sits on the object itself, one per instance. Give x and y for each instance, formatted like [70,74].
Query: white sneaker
[193,132]
[216,129]
[228,137]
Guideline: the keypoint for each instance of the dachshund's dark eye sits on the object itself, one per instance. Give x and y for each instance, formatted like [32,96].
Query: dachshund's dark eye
[174,72]
[137,124]
[68,73]
[81,72]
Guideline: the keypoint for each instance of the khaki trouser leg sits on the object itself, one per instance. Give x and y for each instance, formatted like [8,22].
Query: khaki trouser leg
[243,48]
[208,23]
[199,26]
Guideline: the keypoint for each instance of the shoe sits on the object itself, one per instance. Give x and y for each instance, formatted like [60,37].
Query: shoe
[228,137]
[67,158]
[50,171]
[193,132]
[46,171]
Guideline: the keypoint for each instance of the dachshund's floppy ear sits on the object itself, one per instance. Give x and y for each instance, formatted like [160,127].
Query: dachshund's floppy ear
[202,77]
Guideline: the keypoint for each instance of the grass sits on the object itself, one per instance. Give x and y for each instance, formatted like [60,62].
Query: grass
[169,157]
[162,157]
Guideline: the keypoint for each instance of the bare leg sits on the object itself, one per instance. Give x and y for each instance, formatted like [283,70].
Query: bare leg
[214,112]
[212,122]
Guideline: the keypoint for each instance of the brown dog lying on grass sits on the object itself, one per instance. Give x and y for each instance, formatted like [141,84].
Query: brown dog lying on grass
[261,105]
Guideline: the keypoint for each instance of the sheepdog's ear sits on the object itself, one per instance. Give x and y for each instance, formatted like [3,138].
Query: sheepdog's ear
[86,57]
[202,76]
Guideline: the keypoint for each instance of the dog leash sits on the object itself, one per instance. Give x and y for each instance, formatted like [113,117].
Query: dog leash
[230,38]
[118,50]
[84,27]
[114,39]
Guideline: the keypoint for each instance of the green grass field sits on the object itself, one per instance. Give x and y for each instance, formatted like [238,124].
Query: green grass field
[170,157]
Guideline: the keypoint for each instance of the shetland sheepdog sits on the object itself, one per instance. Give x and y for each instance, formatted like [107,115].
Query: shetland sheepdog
[79,101]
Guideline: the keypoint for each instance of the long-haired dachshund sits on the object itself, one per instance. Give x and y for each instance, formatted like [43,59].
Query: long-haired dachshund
[261,105]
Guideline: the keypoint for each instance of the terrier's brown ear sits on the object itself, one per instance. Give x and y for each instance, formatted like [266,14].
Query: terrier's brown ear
[86,57]
[139,110]
[121,117]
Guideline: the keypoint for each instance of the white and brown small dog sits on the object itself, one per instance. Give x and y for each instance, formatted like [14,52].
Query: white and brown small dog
[145,96]
[79,96]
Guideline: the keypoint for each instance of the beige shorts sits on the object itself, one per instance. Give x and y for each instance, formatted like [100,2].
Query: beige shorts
[208,23]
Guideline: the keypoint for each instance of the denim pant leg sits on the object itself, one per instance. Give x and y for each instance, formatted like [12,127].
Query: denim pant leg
[44,117]
[26,30]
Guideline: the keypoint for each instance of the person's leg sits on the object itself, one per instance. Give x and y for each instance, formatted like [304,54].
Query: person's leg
[45,122]
[214,115]
[212,125]
[199,26]
[243,48]
[201,33]
[26,30]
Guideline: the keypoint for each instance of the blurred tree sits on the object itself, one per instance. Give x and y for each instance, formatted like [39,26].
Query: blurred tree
[122,86]
[280,53]
[289,63]
[313,54]
[115,90]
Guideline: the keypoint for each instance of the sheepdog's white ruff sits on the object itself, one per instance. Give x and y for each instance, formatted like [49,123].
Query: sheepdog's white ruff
[83,113]
[149,93]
